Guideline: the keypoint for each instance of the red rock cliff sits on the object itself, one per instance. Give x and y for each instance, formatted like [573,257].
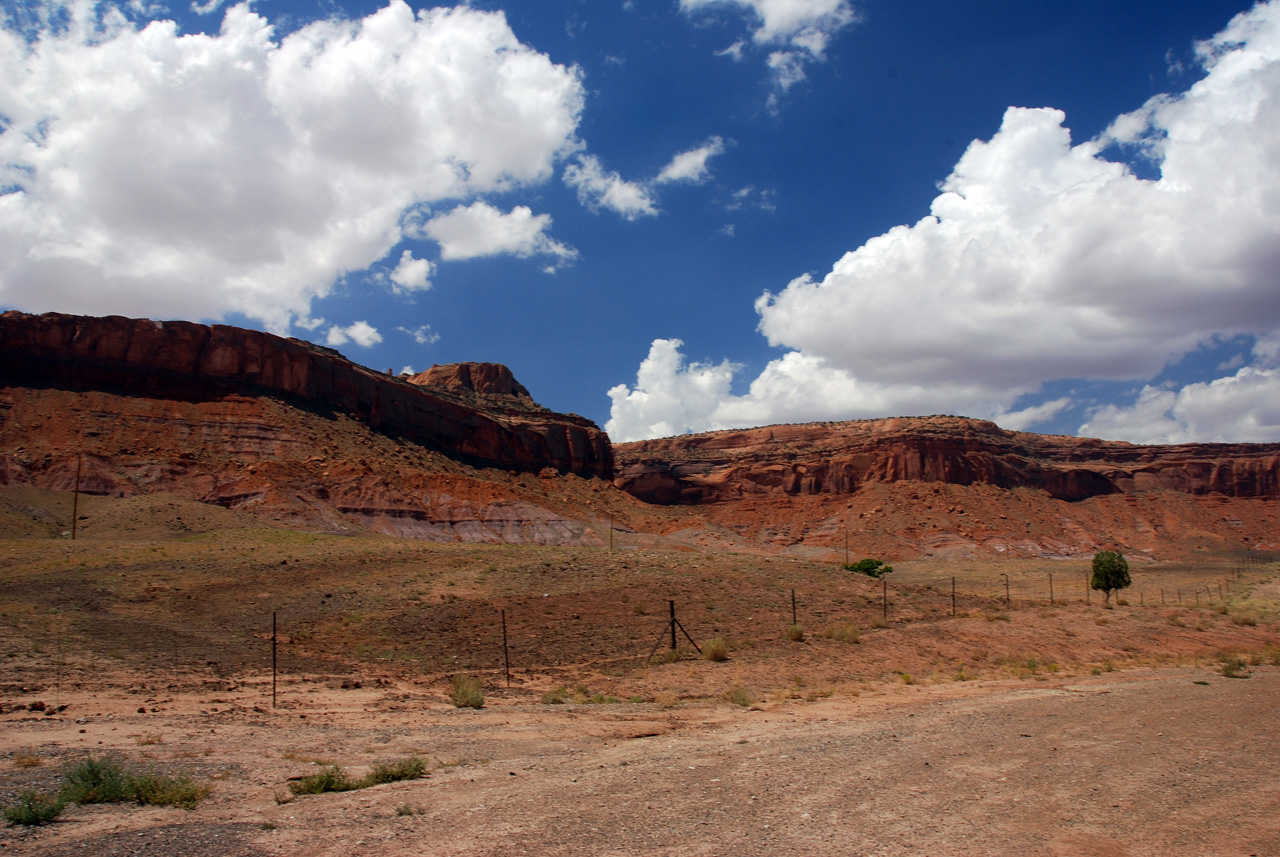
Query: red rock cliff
[839,458]
[192,362]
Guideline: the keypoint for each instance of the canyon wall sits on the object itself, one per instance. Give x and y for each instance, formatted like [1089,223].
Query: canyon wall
[841,458]
[181,361]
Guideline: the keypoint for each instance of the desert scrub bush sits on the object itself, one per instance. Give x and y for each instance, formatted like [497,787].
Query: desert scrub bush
[795,633]
[996,617]
[844,633]
[157,790]
[33,809]
[558,696]
[717,649]
[1233,666]
[464,692]
[738,695]
[96,781]
[106,781]
[27,759]
[601,699]
[393,772]
[329,779]
[1247,619]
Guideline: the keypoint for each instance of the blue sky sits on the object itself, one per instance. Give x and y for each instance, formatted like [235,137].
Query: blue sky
[680,215]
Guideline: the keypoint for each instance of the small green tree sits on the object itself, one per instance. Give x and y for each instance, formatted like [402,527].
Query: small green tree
[870,567]
[1110,573]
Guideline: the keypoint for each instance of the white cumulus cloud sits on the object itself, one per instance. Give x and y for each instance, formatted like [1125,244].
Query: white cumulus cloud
[1042,259]
[801,30]
[691,166]
[808,24]
[479,229]
[1244,407]
[600,188]
[147,172]
[423,335]
[361,333]
[412,274]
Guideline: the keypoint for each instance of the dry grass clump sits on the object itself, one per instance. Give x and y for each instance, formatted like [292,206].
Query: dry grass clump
[465,692]
[738,695]
[716,649]
[27,759]
[843,633]
[795,633]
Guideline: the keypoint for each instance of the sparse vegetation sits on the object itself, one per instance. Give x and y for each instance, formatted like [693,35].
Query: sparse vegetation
[870,567]
[738,695]
[96,781]
[795,633]
[1233,666]
[716,649]
[465,692]
[556,696]
[393,772]
[157,790]
[329,779]
[105,780]
[27,759]
[33,809]
[843,633]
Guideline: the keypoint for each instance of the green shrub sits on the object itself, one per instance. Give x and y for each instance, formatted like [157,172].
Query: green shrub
[558,696]
[465,692]
[156,790]
[393,772]
[96,781]
[738,696]
[329,779]
[870,567]
[33,809]
[717,649]
[795,633]
[106,781]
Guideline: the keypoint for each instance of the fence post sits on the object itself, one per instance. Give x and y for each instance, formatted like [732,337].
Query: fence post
[273,659]
[506,655]
[673,624]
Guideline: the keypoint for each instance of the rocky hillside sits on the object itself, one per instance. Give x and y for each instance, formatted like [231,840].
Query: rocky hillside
[841,458]
[179,360]
[951,486]
[290,430]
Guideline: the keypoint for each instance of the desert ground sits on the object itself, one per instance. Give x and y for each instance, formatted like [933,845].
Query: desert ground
[893,720]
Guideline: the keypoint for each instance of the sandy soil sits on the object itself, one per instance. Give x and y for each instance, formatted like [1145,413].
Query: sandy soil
[1140,762]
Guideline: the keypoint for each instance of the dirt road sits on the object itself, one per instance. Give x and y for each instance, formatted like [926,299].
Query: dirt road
[1144,762]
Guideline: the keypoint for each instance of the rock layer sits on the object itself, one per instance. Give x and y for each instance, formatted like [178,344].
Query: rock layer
[841,458]
[182,361]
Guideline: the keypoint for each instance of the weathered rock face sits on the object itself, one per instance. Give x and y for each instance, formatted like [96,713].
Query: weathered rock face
[485,379]
[841,458]
[181,361]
